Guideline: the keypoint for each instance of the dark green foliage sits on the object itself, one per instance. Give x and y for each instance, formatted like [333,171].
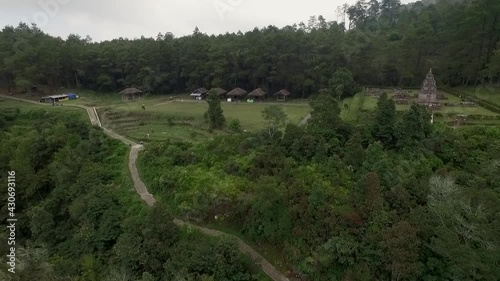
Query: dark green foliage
[275,117]
[78,216]
[235,126]
[325,114]
[342,84]
[214,116]
[385,121]
[354,209]
[354,153]
[201,260]
[382,43]
[414,127]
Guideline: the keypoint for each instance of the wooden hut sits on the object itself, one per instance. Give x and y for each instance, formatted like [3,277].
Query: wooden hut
[282,95]
[220,92]
[258,94]
[54,99]
[199,93]
[236,94]
[130,94]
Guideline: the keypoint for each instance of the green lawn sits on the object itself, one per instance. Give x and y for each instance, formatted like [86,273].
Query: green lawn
[138,124]
[24,106]
[371,103]
[249,114]
[488,93]
[354,105]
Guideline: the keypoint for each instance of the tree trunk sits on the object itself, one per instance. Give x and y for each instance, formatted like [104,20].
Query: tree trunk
[480,53]
[490,42]
[419,58]
[76,81]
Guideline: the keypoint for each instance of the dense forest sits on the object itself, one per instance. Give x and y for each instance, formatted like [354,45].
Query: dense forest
[385,43]
[392,198]
[79,219]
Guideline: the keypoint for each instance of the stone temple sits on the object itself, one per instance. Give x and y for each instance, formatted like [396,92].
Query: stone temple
[428,94]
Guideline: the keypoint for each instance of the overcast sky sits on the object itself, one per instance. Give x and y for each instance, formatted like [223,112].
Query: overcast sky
[108,19]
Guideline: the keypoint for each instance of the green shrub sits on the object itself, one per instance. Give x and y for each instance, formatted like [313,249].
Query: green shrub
[235,126]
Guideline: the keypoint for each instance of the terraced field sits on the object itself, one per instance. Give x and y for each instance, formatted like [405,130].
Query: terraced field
[144,126]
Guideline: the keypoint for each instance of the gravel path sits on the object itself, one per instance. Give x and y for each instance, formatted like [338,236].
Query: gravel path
[304,121]
[142,190]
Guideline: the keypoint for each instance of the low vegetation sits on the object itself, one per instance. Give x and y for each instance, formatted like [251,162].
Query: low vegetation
[390,198]
[80,219]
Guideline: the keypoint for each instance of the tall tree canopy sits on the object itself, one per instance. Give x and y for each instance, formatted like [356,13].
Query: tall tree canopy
[387,44]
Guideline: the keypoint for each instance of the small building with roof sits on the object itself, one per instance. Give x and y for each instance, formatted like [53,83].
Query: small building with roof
[199,93]
[237,94]
[258,94]
[282,95]
[131,94]
[220,92]
[54,98]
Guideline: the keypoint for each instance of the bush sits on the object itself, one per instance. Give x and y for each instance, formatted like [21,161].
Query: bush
[235,126]
[170,121]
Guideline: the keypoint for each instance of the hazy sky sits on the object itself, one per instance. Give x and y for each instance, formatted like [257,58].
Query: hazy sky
[108,19]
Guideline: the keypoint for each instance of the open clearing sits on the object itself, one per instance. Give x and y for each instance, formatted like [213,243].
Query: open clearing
[488,93]
[249,114]
[8,104]
[370,103]
[180,118]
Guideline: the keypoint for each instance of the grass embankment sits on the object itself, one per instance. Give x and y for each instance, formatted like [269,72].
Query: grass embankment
[137,125]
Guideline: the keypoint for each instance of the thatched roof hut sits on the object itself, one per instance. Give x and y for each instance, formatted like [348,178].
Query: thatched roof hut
[282,95]
[131,94]
[258,94]
[130,91]
[237,92]
[219,91]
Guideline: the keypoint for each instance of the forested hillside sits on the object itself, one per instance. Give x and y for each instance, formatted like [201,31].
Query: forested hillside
[393,198]
[79,219]
[386,44]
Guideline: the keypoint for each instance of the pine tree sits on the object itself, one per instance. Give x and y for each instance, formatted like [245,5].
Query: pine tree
[385,118]
[214,116]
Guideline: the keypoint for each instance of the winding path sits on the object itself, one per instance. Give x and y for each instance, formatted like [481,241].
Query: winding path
[304,121]
[142,190]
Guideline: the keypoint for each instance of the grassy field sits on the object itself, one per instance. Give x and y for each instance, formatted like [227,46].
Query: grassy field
[23,106]
[249,114]
[488,93]
[371,103]
[86,97]
[351,107]
[138,124]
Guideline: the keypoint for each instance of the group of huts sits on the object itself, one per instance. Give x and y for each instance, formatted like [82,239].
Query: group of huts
[238,94]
